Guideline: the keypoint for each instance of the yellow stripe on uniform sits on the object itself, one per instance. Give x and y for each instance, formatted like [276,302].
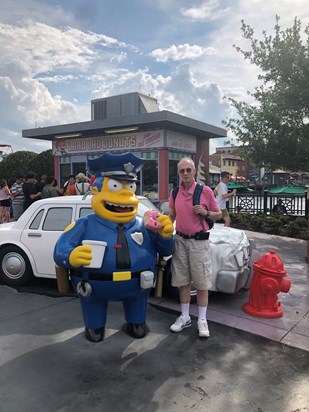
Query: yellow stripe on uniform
[117,276]
[71,225]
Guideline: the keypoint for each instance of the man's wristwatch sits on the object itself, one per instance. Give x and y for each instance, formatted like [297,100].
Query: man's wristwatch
[207,213]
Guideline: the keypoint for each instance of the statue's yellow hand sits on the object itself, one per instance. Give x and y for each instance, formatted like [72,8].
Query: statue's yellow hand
[168,227]
[80,256]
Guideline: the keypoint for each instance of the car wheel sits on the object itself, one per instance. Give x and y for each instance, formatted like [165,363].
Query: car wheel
[170,290]
[15,268]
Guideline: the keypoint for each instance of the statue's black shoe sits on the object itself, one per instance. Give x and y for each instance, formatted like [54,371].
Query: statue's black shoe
[95,335]
[137,330]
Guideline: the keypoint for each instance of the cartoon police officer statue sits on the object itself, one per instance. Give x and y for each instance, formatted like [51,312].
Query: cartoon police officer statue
[127,271]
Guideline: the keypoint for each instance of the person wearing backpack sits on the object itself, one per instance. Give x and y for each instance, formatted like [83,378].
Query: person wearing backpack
[82,186]
[191,259]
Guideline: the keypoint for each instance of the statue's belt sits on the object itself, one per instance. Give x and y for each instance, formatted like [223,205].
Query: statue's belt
[115,276]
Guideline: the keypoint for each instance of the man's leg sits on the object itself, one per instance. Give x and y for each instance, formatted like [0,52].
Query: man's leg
[184,320]
[202,303]
[226,218]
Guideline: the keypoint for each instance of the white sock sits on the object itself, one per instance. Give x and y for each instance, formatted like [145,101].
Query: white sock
[202,312]
[185,308]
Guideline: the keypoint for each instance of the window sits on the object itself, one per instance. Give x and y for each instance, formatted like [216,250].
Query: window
[65,171]
[150,175]
[37,220]
[57,219]
[172,174]
[79,167]
[85,211]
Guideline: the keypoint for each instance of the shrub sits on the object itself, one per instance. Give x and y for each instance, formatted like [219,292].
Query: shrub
[272,225]
[277,225]
[257,221]
[292,228]
[283,220]
[301,222]
[273,222]
[235,218]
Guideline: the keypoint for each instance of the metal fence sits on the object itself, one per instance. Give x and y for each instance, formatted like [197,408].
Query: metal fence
[296,205]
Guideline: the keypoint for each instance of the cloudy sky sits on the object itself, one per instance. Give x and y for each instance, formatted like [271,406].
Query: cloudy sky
[58,55]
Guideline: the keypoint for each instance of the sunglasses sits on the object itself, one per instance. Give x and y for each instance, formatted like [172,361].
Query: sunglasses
[188,170]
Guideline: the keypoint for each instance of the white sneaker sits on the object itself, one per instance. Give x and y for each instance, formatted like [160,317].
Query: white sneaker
[180,323]
[203,330]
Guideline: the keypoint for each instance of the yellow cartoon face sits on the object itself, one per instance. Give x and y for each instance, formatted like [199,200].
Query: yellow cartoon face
[116,201]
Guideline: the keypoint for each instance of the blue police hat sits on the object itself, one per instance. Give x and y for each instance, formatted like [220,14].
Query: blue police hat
[123,166]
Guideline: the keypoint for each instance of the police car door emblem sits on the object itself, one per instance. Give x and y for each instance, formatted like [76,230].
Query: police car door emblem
[137,237]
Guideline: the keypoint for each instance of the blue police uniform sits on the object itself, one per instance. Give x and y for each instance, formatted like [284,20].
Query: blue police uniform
[144,245]
[119,279]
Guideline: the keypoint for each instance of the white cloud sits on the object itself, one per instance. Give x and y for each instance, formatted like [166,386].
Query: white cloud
[58,78]
[227,67]
[28,96]
[44,48]
[35,55]
[181,52]
[51,65]
[180,92]
[18,143]
[27,103]
[208,10]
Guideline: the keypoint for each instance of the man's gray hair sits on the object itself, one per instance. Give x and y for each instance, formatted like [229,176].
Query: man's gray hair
[188,159]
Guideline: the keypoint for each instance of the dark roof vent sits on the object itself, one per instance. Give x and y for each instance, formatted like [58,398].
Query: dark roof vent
[130,104]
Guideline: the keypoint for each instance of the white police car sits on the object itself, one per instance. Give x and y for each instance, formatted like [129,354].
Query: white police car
[27,245]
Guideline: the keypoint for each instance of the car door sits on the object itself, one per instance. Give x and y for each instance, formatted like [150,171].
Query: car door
[42,232]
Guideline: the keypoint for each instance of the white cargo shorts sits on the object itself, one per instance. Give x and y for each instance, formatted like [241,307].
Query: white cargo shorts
[191,262]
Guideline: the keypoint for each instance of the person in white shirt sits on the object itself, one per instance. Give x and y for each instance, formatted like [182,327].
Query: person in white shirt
[222,196]
[82,185]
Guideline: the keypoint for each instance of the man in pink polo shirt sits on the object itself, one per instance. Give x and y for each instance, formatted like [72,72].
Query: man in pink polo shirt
[191,259]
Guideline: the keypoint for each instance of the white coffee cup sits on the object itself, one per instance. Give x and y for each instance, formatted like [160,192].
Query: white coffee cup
[98,250]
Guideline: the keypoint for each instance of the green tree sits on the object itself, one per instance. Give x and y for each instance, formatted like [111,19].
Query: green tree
[43,164]
[273,131]
[16,163]
[23,162]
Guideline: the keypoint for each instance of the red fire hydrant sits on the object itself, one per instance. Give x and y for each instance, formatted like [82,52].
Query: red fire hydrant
[269,279]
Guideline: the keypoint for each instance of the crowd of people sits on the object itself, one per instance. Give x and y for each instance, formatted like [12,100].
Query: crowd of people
[27,189]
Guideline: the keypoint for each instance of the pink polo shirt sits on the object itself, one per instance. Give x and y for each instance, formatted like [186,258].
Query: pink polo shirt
[187,221]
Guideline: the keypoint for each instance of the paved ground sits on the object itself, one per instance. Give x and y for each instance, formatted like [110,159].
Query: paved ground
[293,327]
[47,365]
